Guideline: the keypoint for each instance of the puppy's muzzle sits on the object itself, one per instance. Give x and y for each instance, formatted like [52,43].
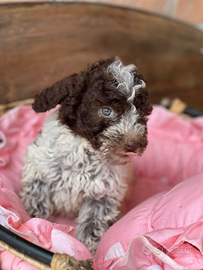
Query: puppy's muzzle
[131,146]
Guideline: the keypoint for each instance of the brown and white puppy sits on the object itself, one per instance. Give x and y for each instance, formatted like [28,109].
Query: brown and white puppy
[76,165]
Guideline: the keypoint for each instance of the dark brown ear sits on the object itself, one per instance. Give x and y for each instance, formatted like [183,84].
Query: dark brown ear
[54,95]
[68,88]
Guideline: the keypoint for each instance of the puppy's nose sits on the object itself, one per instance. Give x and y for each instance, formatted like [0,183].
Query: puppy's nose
[131,146]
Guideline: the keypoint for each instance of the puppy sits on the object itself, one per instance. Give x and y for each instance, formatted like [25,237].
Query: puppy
[76,167]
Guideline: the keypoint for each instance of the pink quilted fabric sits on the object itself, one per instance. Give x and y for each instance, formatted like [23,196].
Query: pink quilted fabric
[163,232]
[54,237]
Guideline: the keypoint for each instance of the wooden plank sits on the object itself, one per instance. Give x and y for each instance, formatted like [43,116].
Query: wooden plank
[42,43]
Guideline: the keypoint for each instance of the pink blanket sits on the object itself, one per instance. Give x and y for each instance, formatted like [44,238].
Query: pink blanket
[152,234]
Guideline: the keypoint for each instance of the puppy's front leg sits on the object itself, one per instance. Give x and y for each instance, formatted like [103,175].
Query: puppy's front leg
[94,219]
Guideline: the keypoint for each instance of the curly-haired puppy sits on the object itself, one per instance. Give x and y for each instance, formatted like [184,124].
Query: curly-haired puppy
[76,165]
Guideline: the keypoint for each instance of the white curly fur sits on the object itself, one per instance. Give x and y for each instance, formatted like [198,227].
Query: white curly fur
[123,75]
[127,128]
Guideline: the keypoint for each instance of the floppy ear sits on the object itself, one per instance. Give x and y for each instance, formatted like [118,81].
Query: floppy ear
[68,88]
[54,95]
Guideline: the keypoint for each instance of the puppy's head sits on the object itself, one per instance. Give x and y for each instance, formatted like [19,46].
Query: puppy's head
[107,104]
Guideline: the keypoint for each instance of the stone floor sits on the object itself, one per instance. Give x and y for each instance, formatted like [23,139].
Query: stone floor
[190,11]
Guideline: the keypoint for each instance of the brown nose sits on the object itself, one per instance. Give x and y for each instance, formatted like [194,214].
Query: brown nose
[131,146]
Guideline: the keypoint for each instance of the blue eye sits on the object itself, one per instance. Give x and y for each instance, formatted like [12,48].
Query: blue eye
[107,112]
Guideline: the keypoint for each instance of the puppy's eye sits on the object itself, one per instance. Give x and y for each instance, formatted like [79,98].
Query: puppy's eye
[107,112]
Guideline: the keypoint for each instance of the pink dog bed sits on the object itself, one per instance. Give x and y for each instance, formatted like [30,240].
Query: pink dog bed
[162,232]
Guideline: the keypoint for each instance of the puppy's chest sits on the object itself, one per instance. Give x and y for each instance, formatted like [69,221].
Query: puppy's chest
[83,171]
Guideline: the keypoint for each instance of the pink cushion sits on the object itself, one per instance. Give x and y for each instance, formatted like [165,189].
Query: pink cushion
[165,230]
[54,237]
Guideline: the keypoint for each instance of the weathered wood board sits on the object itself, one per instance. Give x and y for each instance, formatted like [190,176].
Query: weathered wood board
[42,43]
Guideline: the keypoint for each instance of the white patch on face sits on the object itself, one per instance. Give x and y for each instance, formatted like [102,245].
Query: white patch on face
[117,135]
[124,75]
[127,125]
